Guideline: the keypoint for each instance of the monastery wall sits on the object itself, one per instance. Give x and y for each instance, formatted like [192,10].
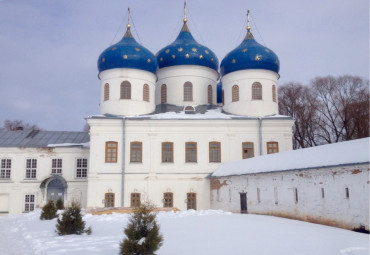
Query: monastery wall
[332,196]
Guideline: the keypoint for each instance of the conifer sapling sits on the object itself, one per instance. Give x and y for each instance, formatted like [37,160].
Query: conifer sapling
[49,211]
[142,232]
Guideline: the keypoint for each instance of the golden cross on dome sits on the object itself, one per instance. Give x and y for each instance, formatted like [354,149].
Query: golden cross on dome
[128,17]
[249,24]
[185,19]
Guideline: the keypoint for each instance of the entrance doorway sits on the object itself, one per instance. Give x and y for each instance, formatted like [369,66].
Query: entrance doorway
[243,203]
[55,190]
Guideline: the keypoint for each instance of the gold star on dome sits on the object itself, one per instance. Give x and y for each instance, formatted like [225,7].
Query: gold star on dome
[114,48]
[206,51]
[244,50]
[257,58]
[173,56]
[125,56]
[149,60]
[276,61]
[212,59]
[186,44]
[103,59]
[137,49]
[161,59]
[194,49]
[266,50]
[200,56]
[168,50]
[180,49]
[187,55]
[233,61]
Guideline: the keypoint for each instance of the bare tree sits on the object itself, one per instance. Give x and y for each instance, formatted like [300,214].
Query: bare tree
[329,110]
[12,125]
[343,105]
[297,101]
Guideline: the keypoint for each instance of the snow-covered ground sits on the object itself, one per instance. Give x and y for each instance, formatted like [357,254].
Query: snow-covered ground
[186,232]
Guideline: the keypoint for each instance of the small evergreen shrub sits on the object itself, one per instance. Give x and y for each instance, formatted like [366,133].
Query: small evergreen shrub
[142,232]
[71,222]
[48,211]
[361,229]
[59,204]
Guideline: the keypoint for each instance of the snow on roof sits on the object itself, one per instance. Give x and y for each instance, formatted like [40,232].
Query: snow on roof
[83,145]
[350,152]
[202,112]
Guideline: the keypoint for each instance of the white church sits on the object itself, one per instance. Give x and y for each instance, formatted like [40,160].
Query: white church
[160,133]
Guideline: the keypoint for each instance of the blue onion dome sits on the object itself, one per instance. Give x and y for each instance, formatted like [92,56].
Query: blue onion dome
[127,53]
[250,55]
[186,51]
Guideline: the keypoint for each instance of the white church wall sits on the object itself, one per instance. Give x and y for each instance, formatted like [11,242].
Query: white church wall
[134,106]
[175,77]
[331,196]
[13,190]
[245,106]
[151,176]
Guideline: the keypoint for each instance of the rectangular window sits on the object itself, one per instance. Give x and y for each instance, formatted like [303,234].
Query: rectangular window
[247,150]
[29,203]
[109,200]
[167,152]
[272,147]
[111,152]
[56,166]
[322,193]
[191,199]
[81,170]
[295,195]
[276,195]
[5,168]
[135,199]
[190,152]
[168,199]
[31,168]
[258,195]
[214,152]
[136,152]
[347,193]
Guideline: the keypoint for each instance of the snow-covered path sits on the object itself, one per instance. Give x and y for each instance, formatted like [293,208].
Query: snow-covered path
[186,232]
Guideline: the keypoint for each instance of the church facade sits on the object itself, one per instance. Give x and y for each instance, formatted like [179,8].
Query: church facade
[161,131]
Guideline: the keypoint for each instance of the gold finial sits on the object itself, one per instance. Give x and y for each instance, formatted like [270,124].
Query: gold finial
[249,24]
[128,18]
[185,19]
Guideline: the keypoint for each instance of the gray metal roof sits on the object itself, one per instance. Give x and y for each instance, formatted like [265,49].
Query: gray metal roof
[39,138]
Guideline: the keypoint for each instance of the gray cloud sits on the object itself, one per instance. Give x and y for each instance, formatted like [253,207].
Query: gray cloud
[49,49]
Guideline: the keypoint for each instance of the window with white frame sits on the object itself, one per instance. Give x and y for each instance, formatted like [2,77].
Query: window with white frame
[29,203]
[5,168]
[81,170]
[56,166]
[31,168]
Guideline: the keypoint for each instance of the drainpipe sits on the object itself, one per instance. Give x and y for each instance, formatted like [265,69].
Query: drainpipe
[260,133]
[123,162]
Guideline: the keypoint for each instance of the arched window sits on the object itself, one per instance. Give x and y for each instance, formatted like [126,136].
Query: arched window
[274,93]
[188,91]
[235,93]
[106,92]
[210,94]
[163,94]
[146,92]
[257,91]
[125,90]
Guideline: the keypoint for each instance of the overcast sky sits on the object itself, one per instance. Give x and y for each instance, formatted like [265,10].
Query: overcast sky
[49,49]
